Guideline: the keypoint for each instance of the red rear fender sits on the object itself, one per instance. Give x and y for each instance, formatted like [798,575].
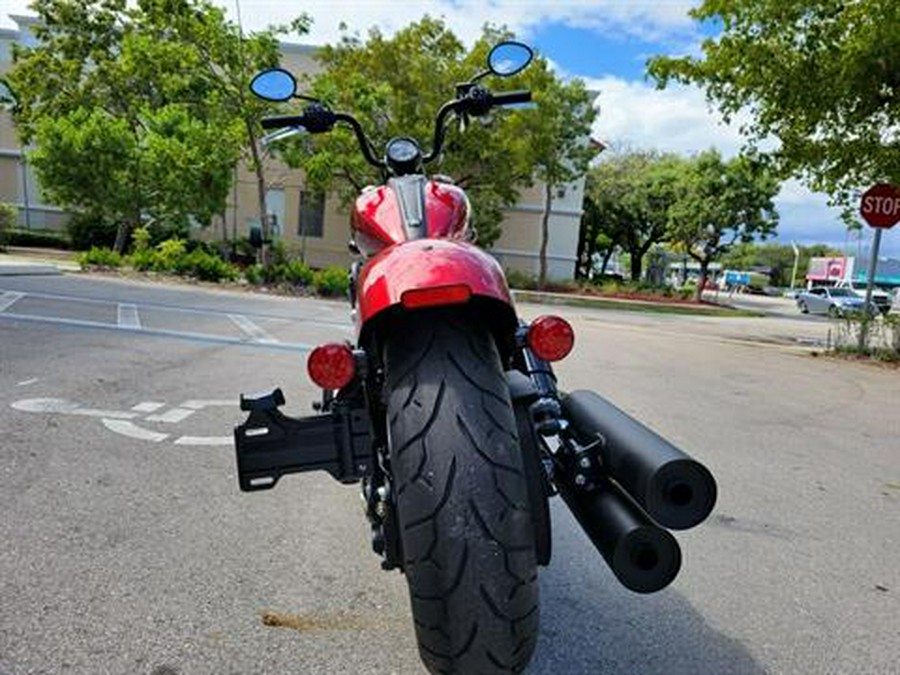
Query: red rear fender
[427,263]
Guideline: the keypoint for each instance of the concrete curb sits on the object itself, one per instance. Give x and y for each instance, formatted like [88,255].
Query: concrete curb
[591,301]
[21,269]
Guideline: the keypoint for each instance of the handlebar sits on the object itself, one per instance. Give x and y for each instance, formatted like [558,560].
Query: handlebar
[282,121]
[511,97]
[318,118]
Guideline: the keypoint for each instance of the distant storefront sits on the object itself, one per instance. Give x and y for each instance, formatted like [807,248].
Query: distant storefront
[830,270]
[846,269]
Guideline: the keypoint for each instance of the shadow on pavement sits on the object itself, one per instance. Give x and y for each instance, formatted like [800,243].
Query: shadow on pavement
[591,625]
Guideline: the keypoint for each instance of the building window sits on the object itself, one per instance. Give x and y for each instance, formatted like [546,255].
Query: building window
[275,211]
[312,214]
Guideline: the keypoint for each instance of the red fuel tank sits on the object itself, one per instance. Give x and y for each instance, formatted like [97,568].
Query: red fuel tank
[377,221]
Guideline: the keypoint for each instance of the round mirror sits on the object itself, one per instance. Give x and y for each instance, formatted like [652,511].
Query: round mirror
[276,84]
[508,58]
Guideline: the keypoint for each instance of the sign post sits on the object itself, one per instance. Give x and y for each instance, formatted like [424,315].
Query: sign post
[880,207]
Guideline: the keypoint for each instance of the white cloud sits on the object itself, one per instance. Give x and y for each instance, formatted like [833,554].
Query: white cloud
[678,119]
[661,21]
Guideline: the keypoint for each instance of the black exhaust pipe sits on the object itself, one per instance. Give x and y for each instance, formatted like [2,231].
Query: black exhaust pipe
[644,557]
[676,490]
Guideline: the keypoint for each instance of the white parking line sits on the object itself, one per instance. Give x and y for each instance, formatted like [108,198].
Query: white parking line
[339,324]
[147,407]
[8,298]
[251,329]
[185,335]
[131,430]
[200,404]
[172,416]
[62,406]
[128,316]
[204,440]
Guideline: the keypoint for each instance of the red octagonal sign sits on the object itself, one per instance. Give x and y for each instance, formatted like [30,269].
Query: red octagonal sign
[880,205]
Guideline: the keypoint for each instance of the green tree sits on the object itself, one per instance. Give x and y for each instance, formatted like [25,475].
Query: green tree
[559,134]
[597,235]
[146,104]
[395,86]
[633,191]
[820,76]
[720,203]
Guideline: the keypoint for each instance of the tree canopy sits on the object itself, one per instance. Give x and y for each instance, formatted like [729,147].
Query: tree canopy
[719,203]
[821,77]
[701,205]
[139,111]
[395,86]
[633,192]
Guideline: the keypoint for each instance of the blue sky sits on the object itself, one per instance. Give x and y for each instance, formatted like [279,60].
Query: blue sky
[606,42]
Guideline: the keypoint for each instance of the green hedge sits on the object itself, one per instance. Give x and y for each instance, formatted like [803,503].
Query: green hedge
[37,238]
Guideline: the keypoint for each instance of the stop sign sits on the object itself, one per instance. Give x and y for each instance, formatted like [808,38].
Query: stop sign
[880,205]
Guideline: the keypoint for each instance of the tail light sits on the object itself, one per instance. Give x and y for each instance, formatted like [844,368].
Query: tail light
[331,366]
[436,295]
[551,338]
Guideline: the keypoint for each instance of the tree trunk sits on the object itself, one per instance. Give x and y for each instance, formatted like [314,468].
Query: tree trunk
[583,254]
[545,234]
[704,271]
[606,257]
[637,257]
[122,234]
[258,169]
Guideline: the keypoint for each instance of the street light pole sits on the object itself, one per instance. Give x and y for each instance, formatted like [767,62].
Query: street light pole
[796,263]
[870,282]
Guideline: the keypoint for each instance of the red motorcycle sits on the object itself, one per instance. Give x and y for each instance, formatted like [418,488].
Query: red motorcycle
[446,410]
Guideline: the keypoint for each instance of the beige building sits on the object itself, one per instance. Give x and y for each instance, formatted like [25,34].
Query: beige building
[325,231]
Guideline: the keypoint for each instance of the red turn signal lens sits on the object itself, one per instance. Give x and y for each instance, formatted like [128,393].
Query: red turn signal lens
[436,295]
[551,338]
[331,366]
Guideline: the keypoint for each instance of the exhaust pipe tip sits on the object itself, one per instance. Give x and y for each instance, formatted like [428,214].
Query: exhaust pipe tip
[646,560]
[681,494]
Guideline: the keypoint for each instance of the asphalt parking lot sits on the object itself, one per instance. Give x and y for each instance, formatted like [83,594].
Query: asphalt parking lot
[127,547]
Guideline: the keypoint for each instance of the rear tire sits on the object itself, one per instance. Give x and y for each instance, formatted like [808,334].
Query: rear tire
[462,500]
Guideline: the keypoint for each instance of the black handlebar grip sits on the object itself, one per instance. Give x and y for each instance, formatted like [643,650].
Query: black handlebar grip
[510,97]
[283,121]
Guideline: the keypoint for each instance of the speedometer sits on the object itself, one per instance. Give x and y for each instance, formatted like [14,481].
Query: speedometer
[403,151]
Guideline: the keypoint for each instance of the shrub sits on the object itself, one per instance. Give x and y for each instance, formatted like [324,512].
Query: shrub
[87,231]
[38,238]
[8,216]
[99,257]
[167,255]
[295,272]
[520,280]
[140,239]
[254,274]
[142,260]
[331,282]
[205,266]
